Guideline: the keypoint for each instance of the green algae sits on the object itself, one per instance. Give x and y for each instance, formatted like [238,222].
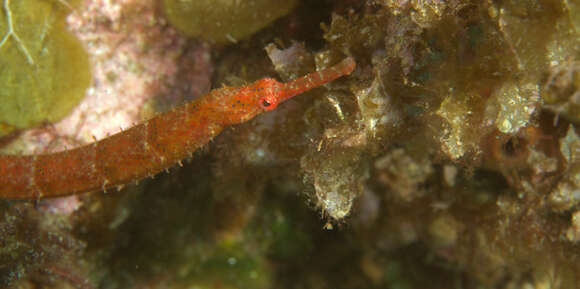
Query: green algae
[244,270]
[44,70]
[226,20]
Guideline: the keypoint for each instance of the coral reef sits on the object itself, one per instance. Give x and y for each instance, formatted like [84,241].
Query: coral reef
[448,159]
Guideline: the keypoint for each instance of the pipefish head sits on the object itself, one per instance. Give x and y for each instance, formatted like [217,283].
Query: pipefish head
[251,100]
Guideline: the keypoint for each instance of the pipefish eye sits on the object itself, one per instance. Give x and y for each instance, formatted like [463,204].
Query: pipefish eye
[267,102]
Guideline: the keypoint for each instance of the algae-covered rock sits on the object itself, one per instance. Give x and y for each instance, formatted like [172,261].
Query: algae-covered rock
[224,20]
[44,70]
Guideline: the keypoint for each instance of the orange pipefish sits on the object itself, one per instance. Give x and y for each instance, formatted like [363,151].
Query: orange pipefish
[152,146]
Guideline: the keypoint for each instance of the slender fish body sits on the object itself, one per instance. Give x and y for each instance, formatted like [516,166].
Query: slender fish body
[152,146]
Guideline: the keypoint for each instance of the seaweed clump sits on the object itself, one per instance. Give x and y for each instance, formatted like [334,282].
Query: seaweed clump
[224,21]
[45,68]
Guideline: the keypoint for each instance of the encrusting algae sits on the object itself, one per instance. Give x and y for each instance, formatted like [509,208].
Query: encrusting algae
[447,159]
